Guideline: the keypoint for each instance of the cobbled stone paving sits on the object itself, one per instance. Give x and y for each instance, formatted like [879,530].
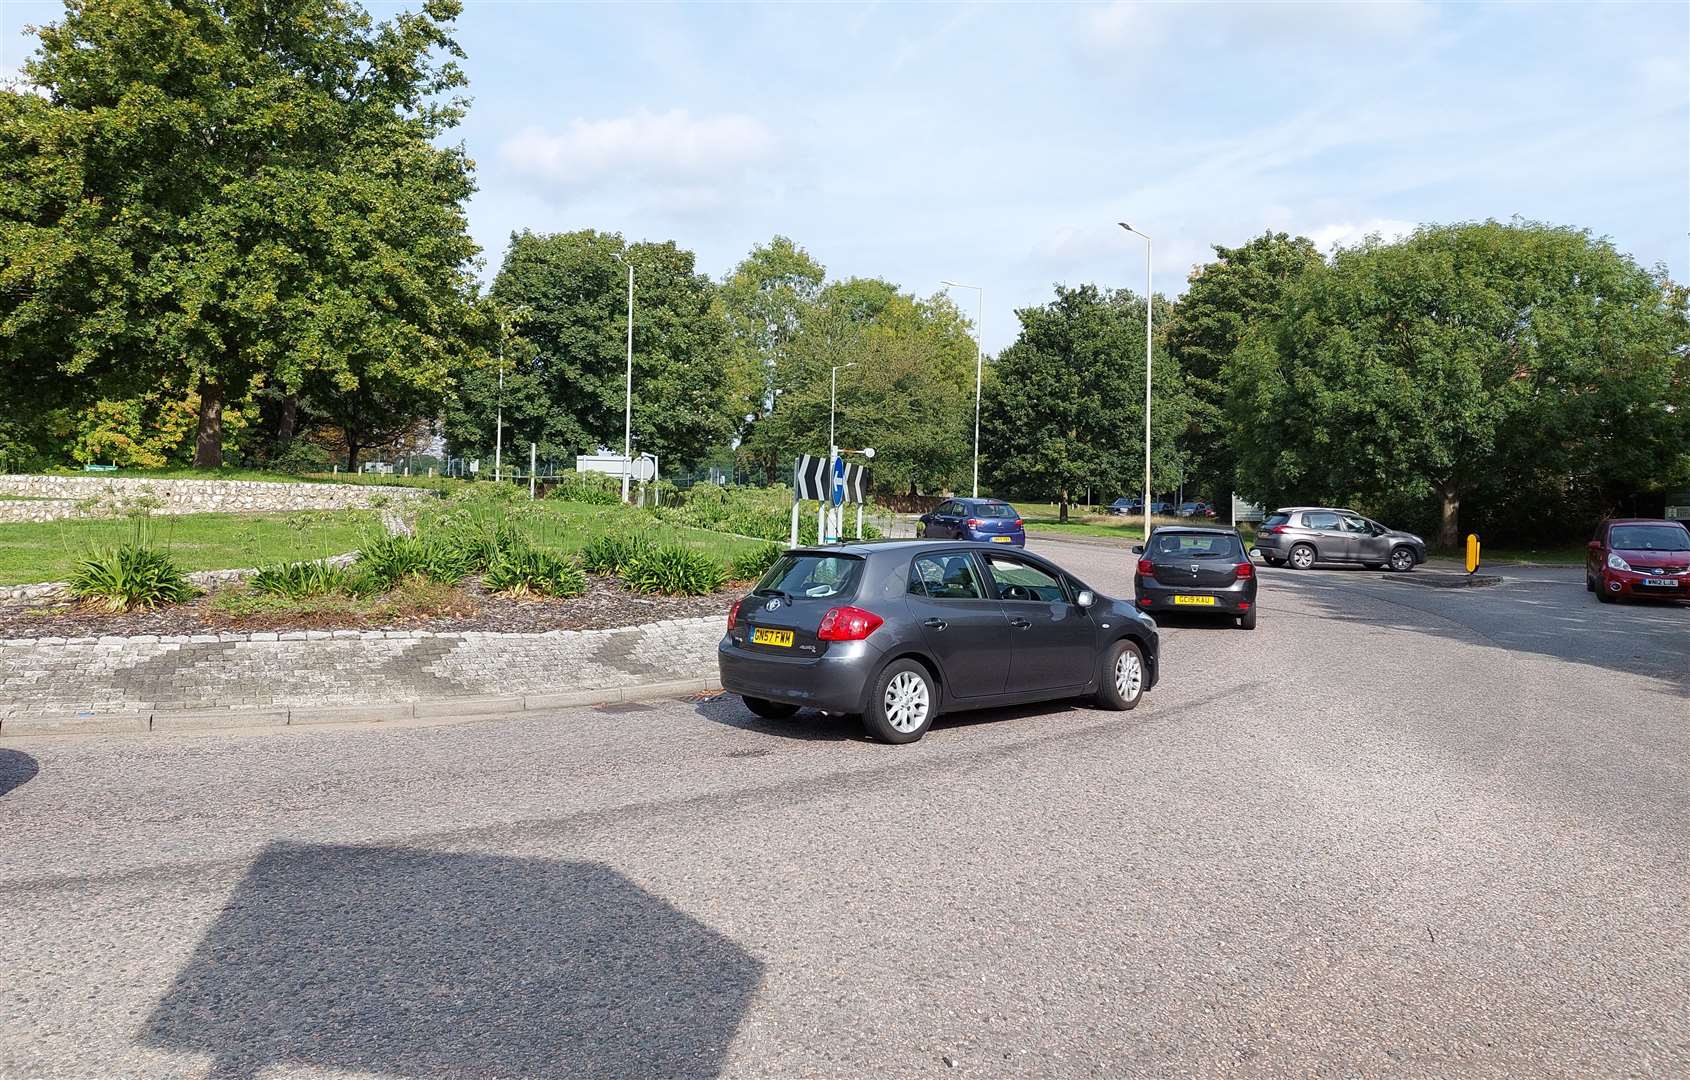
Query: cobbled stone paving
[346,667]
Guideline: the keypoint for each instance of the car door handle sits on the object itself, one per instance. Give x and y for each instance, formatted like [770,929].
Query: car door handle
[1019,623]
[934,624]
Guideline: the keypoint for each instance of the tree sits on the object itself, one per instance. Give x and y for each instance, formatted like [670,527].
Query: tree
[1243,288]
[220,194]
[1065,405]
[766,298]
[1516,364]
[908,390]
[565,296]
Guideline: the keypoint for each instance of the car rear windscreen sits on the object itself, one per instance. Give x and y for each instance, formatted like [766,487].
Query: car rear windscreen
[1197,546]
[1276,519]
[822,577]
[993,510]
[1650,538]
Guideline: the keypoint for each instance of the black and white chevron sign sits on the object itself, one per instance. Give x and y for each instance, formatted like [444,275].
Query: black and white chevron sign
[811,482]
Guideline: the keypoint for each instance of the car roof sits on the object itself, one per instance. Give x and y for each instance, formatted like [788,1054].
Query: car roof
[973,499]
[1299,509]
[1645,521]
[865,548]
[1202,530]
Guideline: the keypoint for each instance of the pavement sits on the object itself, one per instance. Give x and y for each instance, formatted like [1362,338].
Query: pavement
[1392,832]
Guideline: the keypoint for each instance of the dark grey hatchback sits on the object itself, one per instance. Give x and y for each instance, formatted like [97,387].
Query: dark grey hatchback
[899,631]
[1189,568]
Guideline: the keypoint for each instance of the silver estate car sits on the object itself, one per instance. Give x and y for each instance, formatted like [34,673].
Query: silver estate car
[1304,535]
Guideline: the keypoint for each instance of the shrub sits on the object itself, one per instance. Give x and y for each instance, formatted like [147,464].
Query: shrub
[129,576]
[302,457]
[594,488]
[519,569]
[612,553]
[673,570]
[753,564]
[301,580]
[390,559]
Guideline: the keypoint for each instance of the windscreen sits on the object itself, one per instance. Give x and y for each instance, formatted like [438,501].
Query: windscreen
[1276,519]
[993,510]
[1650,538]
[822,577]
[1198,546]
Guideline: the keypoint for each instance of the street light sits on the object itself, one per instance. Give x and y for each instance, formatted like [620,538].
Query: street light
[521,311]
[1149,247]
[628,405]
[979,359]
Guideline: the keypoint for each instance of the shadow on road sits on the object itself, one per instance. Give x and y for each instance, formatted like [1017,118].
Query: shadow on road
[808,725]
[16,769]
[414,963]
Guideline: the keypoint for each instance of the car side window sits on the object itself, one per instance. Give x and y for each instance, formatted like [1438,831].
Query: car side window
[947,509]
[945,577]
[1016,580]
[1324,522]
[1356,525]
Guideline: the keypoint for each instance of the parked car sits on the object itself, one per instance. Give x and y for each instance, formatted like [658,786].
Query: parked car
[1198,509]
[1191,568]
[1632,557]
[990,521]
[1160,506]
[1305,535]
[900,631]
[1127,506]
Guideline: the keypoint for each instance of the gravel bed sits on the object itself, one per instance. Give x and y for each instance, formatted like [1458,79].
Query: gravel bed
[605,605]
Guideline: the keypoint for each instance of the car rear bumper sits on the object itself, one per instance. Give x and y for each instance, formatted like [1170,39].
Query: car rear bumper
[1270,547]
[1235,599]
[837,682]
[1014,539]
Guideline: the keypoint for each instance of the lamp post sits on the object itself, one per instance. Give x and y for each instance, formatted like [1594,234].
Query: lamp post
[499,406]
[979,359]
[628,405]
[1148,251]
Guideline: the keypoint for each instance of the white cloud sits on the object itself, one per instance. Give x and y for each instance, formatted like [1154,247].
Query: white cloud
[1348,234]
[671,150]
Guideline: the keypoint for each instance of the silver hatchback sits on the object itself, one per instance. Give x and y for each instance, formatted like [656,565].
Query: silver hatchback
[1300,536]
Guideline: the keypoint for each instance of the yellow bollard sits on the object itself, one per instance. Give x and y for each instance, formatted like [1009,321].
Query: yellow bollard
[1472,552]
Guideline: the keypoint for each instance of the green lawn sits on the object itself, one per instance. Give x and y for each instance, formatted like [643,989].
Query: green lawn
[47,551]
[568,526]
[1552,556]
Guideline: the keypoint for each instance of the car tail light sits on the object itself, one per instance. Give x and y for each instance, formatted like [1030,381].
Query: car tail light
[1273,530]
[1145,567]
[1245,570]
[972,523]
[1144,601]
[733,616]
[848,624]
[1017,523]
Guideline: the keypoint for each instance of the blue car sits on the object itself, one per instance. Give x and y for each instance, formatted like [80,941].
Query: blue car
[990,521]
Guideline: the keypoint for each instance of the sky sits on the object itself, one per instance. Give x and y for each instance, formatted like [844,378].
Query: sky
[999,144]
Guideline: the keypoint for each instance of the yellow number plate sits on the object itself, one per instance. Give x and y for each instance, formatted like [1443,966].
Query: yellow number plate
[764,636]
[1200,601]
[1003,539]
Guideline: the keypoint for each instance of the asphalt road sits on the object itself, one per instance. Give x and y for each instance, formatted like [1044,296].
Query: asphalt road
[1395,831]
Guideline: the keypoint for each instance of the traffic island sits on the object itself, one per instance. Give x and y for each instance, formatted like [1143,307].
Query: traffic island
[1445,581]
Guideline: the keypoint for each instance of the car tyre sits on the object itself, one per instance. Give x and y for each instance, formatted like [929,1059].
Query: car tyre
[1402,559]
[1604,595]
[1302,557]
[1589,585]
[1121,685]
[903,705]
[770,710]
[1247,621]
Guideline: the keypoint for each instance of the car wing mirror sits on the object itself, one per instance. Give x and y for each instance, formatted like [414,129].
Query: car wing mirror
[1086,598]
[1138,549]
[1595,545]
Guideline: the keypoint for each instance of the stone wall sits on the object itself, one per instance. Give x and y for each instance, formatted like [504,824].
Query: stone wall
[58,684]
[50,498]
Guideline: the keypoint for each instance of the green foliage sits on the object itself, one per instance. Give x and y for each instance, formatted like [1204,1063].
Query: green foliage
[132,575]
[391,559]
[217,197]
[766,299]
[753,564]
[673,570]
[613,553]
[594,488]
[302,456]
[1530,368]
[1244,288]
[564,298]
[317,577]
[519,569]
[1065,406]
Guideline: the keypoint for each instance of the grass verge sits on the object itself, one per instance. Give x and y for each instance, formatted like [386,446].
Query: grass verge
[48,551]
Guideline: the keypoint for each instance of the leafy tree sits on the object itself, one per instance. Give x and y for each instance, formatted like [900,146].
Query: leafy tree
[567,295]
[1224,300]
[1065,405]
[908,392]
[222,193]
[1516,364]
[766,298]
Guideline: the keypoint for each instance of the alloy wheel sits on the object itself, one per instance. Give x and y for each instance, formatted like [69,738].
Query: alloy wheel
[1302,557]
[1128,675]
[907,701]
[1402,559]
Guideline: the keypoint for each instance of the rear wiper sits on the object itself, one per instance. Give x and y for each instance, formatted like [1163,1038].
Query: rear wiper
[774,592]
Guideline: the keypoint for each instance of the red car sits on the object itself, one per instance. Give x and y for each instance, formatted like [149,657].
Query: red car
[1639,557]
